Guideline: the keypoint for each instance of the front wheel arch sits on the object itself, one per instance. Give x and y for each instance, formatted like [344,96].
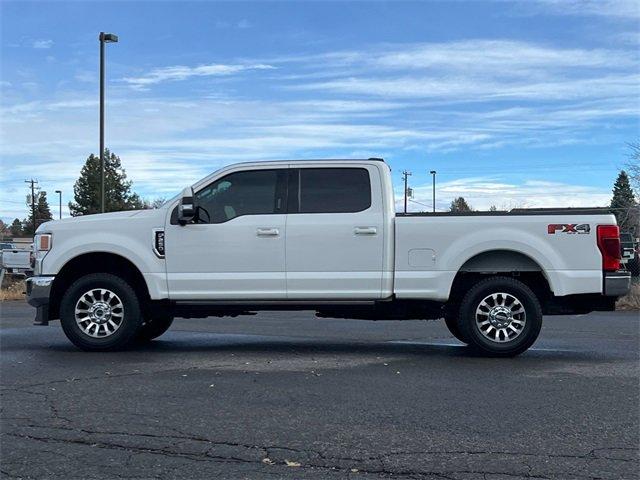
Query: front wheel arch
[96,262]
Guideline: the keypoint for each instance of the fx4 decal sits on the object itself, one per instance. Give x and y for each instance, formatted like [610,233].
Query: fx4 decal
[554,228]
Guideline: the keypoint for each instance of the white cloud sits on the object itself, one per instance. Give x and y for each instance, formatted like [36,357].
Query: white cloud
[394,101]
[182,72]
[42,44]
[487,55]
[477,71]
[483,192]
[627,9]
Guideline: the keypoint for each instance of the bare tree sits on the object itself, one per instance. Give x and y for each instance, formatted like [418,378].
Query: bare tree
[633,167]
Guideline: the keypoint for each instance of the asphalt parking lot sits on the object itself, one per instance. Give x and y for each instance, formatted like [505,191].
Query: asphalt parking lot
[286,395]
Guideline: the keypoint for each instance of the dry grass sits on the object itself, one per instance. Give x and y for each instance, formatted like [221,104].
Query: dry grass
[631,301]
[12,289]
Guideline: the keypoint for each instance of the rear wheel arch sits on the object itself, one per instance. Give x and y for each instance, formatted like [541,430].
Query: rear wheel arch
[501,262]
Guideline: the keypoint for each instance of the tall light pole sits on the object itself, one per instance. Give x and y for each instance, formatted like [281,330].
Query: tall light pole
[59,192]
[104,38]
[433,172]
[406,175]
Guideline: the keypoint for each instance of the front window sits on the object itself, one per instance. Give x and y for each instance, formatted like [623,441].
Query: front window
[251,192]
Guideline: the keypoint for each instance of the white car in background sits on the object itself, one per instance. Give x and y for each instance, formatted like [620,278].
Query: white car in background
[14,260]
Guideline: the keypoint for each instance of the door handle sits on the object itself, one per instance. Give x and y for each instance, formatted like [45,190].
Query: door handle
[268,232]
[365,230]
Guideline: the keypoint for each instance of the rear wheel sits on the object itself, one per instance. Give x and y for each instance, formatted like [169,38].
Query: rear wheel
[500,316]
[99,312]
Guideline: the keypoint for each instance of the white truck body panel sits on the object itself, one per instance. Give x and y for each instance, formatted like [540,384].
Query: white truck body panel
[321,256]
[338,255]
[127,234]
[227,260]
[431,250]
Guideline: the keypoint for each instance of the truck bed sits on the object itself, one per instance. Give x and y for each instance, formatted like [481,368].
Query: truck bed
[431,248]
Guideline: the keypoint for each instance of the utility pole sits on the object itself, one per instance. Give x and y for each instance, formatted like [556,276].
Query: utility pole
[405,175]
[433,172]
[33,203]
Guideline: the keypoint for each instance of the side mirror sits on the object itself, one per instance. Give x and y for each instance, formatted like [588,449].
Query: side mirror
[186,208]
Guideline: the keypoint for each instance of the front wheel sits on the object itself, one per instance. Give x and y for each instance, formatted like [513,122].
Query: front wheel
[99,312]
[500,316]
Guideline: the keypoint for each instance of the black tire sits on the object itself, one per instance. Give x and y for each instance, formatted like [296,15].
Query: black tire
[452,324]
[130,317]
[523,337]
[153,328]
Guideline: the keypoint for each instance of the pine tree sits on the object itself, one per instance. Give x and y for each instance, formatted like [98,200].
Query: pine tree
[43,213]
[16,228]
[460,205]
[117,188]
[623,203]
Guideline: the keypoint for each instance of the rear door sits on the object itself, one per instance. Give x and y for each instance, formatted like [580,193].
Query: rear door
[335,237]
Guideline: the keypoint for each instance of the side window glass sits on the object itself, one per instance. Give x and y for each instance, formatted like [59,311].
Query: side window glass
[252,192]
[333,190]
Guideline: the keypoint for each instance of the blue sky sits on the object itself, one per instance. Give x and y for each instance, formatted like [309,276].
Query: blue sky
[526,103]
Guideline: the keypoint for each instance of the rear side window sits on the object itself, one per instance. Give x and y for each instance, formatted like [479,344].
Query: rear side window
[330,190]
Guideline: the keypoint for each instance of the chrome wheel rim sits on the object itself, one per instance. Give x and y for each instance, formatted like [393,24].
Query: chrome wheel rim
[99,313]
[501,317]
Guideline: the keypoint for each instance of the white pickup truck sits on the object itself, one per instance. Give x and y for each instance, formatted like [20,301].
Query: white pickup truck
[321,235]
[14,260]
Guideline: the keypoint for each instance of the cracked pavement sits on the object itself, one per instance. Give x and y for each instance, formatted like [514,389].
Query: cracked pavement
[286,395]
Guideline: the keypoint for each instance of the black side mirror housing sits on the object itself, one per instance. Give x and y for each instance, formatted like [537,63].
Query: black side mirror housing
[186,207]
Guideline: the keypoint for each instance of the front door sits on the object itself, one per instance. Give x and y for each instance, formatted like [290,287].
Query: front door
[235,249]
[335,236]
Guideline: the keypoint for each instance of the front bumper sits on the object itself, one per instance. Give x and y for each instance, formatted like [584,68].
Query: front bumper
[617,284]
[38,292]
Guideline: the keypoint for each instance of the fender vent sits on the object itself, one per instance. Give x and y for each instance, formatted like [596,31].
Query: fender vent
[158,243]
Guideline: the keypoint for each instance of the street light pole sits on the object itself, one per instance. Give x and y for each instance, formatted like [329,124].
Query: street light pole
[59,192]
[104,38]
[433,172]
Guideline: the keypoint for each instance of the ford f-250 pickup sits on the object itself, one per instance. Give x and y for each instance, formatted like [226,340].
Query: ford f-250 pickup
[321,235]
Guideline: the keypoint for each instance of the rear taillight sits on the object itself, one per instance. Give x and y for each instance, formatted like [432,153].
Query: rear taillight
[609,245]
